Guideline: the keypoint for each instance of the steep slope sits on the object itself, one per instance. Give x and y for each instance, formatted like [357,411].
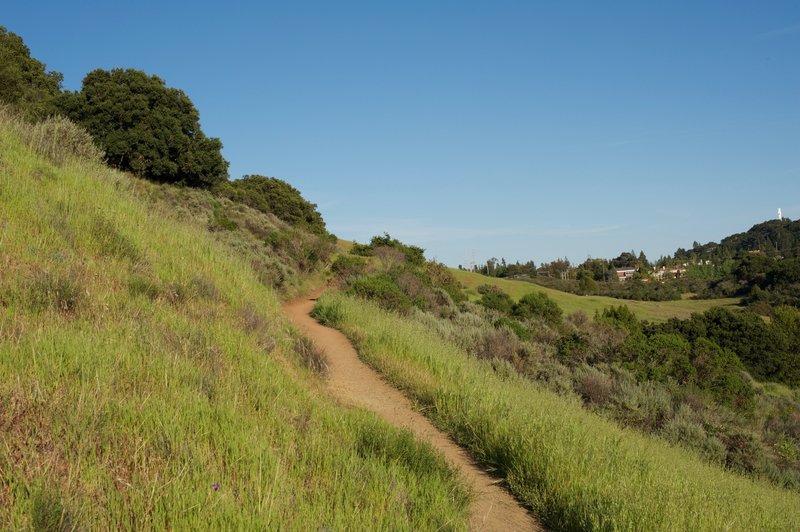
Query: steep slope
[148,380]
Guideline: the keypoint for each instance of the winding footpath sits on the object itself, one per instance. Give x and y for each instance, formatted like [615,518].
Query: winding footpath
[354,383]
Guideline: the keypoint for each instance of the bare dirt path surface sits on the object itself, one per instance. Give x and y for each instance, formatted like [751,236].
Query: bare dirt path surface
[355,383]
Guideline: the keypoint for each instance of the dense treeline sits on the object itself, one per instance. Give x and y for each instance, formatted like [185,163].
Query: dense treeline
[146,128]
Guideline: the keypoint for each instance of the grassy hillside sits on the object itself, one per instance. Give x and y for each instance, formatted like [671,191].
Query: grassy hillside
[148,380]
[577,470]
[656,311]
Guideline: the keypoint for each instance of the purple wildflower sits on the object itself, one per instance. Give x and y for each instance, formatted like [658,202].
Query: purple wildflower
[215,486]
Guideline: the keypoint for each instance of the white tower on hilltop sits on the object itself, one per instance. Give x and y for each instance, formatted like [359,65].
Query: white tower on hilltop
[780,215]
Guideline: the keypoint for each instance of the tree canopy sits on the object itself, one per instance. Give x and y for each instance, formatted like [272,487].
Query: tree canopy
[146,127]
[23,80]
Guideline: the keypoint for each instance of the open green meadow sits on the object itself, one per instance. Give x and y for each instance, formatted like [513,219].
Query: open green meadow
[655,311]
[149,381]
[575,469]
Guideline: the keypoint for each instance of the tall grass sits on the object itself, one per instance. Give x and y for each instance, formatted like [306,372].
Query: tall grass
[148,380]
[575,469]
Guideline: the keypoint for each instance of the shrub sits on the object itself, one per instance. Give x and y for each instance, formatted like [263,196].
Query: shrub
[683,430]
[383,290]
[573,347]
[498,343]
[348,266]
[277,197]
[488,289]
[499,301]
[539,305]
[413,255]
[514,326]
[647,405]
[595,387]
[59,140]
[745,450]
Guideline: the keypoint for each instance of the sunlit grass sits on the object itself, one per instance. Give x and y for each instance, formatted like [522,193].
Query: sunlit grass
[575,469]
[149,381]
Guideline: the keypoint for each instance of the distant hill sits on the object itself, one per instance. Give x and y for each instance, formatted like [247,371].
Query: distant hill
[773,238]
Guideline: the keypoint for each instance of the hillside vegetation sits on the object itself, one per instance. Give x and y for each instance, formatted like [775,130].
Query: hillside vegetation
[656,311]
[575,469]
[147,379]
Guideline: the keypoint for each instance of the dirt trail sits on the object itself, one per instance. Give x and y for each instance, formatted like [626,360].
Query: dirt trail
[355,383]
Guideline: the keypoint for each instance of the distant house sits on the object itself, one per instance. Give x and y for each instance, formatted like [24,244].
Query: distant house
[623,274]
[664,273]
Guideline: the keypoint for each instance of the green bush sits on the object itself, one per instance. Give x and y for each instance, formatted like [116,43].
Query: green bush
[538,305]
[499,301]
[274,196]
[348,266]
[382,289]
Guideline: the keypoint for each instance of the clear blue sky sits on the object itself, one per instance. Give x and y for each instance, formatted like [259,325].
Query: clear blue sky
[524,130]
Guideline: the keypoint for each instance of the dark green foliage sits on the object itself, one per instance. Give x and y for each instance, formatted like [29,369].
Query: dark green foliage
[515,326]
[495,268]
[685,356]
[635,289]
[537,305]
[406,278]
[620,316]
[438,276]
[277,197]
[413,255]
[625,260]
[768,349]
[220,221]
[573,347]
[383,289]
[146,127]
[348,266]
[24,81]
[720,372]
[499,301]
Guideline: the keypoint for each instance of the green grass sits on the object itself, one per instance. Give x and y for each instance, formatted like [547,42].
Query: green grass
[143,364]
[575,469]
[656,311]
